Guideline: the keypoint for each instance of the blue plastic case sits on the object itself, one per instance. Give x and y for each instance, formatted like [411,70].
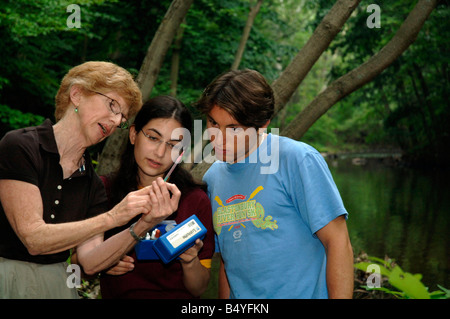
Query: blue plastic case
[144,248]
[177,240]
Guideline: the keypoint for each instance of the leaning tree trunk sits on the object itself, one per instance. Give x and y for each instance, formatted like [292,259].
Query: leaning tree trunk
[109,159]
[176,59]
[160,44]
[363,74]
[245,34]
[291,77]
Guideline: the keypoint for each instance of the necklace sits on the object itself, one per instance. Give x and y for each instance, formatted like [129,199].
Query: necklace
[82,164]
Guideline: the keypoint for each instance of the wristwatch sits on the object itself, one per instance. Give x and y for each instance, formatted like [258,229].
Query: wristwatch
[131,229]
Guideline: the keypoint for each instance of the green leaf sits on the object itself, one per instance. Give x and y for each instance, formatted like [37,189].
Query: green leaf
[408,283]
[364,265]
[381,261]
[440,294]
[386,290]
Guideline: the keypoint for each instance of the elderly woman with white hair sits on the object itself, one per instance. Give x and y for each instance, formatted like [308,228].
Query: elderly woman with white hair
[51,198]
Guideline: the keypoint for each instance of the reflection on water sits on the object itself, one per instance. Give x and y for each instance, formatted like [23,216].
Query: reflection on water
[398,212]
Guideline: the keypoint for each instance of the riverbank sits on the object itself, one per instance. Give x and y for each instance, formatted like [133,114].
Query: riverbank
[386,157]
[390,156]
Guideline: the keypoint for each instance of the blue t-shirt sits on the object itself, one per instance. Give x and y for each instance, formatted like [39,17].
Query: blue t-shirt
[266,211]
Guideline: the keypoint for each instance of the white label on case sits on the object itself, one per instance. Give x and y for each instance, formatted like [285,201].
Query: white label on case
[183,234]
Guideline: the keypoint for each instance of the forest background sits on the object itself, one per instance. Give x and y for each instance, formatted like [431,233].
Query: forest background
[405,109]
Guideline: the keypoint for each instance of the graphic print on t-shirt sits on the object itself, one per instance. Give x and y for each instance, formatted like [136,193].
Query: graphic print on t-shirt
[247,211]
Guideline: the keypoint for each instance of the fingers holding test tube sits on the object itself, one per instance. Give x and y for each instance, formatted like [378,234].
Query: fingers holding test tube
[164,198]
[133,204]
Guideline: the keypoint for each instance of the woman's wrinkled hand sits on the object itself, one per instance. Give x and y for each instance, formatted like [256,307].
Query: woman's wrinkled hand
[135,203]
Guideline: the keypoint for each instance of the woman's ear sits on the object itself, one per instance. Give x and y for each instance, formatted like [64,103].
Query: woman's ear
[132,134]
[75,94]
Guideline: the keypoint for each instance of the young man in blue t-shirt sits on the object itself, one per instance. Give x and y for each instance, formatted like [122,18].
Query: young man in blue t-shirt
[279,219]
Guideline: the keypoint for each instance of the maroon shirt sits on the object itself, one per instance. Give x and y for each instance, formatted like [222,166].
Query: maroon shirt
[154,279]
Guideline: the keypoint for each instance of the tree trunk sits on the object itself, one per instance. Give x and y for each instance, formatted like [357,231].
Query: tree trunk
[363,74]
[245,34]
[326,31]
[109,159]
[174,70]
[160,44]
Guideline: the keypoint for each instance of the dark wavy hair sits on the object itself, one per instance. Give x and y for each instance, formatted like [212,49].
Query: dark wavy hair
[125,179]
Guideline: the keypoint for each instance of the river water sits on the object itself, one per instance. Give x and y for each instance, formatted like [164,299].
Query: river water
[399,212]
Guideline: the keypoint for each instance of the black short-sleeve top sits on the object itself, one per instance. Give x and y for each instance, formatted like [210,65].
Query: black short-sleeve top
[31,155]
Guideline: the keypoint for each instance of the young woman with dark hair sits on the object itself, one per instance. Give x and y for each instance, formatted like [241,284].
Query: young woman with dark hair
[154,144]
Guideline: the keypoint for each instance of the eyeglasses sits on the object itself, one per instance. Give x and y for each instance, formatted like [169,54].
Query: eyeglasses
[156,141]
[116,109]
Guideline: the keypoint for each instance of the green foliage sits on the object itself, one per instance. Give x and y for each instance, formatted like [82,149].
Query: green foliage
[211,38]
[407,104]
[38,48]
[11,119]
[401,284]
